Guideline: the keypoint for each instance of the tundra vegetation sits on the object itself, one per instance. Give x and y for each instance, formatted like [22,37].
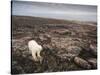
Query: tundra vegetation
[67,45]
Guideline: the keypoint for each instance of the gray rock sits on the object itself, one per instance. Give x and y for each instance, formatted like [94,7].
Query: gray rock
[93,62]
[82,63]
[42,38]
[63,32]
[67,57]
[75,50]
[46,38]
[46,46]
[93,49]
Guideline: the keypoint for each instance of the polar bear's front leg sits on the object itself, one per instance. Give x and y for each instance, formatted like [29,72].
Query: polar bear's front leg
[34,56]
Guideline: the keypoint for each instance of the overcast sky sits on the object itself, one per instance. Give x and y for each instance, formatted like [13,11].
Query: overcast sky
[55,10]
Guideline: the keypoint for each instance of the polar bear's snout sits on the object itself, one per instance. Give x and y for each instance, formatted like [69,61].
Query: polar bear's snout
[35,49]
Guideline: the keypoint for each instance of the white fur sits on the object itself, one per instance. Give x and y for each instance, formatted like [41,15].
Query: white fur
[35,48]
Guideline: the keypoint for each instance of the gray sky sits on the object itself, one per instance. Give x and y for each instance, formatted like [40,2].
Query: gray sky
[55,10]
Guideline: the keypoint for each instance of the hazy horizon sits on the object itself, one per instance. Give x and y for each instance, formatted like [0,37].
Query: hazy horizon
[55,10]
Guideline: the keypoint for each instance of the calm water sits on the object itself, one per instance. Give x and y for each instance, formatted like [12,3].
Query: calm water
[54,10]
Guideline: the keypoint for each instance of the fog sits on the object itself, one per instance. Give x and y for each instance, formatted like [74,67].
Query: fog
[55,10]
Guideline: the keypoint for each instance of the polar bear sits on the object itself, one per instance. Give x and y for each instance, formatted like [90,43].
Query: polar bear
[35,49]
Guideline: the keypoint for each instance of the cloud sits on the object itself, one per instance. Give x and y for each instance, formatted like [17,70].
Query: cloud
[54,10]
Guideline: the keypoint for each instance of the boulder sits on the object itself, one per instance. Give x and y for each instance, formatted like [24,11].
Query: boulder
[63,32]
[93,49]
[46,38]
[66,57]
[75,50]
[93,62]
[82,63]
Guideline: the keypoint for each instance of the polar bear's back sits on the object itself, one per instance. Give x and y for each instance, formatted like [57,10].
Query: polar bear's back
[34,46]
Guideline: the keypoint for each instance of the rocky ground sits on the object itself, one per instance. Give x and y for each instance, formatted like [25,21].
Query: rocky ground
[67,45]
